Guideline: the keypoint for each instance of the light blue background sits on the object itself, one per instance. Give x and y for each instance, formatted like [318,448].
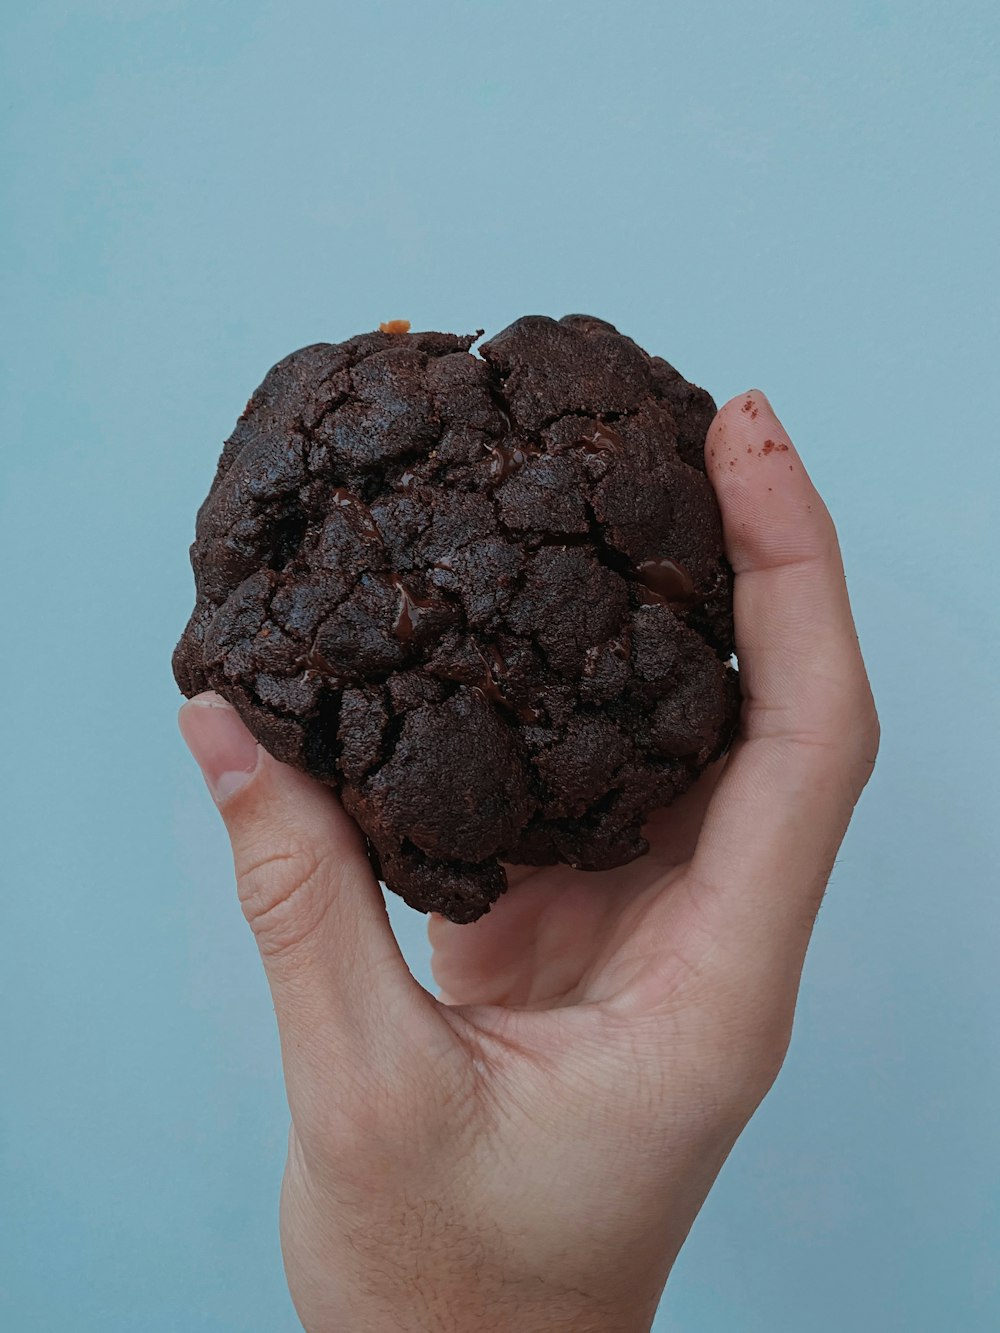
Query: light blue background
[793,195]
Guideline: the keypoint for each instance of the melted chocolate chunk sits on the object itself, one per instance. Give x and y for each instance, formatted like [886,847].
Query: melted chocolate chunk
[342,499]
[487,685]
[504,460]
[411,608]
[486,679]
[665,582]
[313,663]
[602,440]
[495,672]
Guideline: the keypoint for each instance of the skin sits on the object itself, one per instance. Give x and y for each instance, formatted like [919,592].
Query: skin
[529,1150]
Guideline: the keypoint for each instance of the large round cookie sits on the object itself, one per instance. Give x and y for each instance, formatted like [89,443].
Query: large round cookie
[485,598]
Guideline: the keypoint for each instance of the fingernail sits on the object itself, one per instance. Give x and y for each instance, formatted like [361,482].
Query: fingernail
[224,750]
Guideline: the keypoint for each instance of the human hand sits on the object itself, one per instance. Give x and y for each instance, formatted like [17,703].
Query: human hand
[529,1151]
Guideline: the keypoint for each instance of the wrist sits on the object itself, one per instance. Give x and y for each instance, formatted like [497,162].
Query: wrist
[380,1290]
[383,1266]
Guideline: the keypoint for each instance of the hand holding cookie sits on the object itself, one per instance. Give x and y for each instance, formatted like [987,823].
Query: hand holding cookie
[529,1150]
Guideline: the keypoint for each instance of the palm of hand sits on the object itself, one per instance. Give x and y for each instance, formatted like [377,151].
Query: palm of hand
[562,934]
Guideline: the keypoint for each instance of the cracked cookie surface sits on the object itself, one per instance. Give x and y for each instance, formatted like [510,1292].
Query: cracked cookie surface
[485,598]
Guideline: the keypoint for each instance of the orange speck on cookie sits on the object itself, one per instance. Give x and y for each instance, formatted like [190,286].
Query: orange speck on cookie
[395,326]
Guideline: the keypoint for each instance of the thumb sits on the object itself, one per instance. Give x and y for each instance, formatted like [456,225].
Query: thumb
[306,888]
[808,732]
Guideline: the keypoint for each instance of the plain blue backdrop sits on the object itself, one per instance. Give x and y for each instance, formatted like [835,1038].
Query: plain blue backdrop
[794,195]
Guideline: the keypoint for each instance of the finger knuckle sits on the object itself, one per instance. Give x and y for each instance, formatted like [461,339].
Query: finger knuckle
[282,893]
[872,737]
[755,1044]
[774,1038]
[819,539]
[864,737]
[845,726]
[340,1125]
[360,1127]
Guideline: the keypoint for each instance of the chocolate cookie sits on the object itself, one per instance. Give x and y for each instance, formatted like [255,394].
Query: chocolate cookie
[485,598]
